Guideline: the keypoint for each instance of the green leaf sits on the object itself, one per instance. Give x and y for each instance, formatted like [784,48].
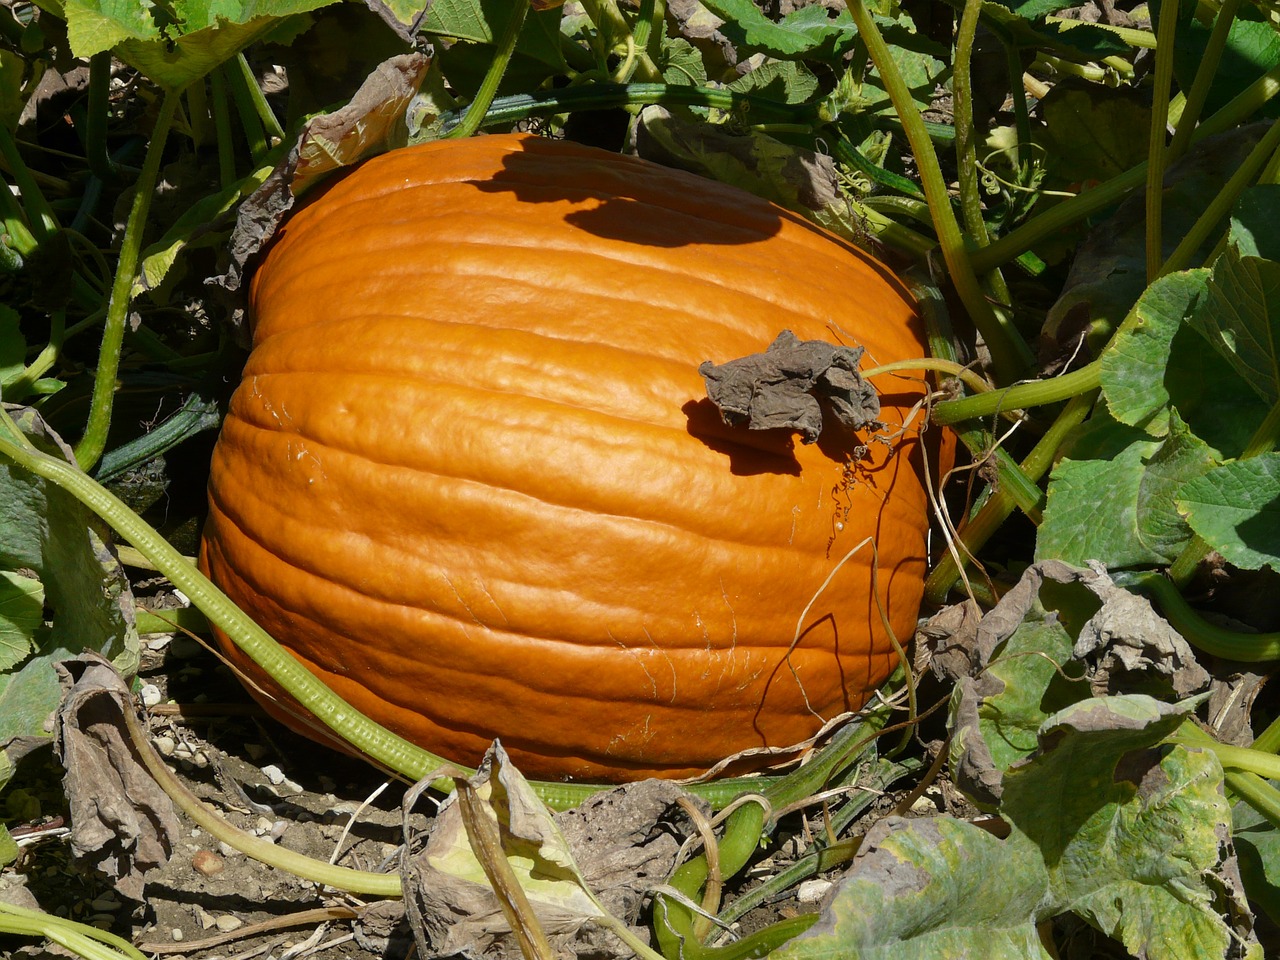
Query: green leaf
[807,33]
[482,21]
[1236,509]
[1253,48]
[1110,498]
[1133,367]
[172,48]
[931,888]
[1131,832]
[1031,686]
[46,531]
[782,80]
[21,616]
[1035,9]
[681,63]
[1077,41]
[1240,317]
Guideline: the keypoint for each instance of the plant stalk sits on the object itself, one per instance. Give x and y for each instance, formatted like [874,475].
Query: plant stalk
[1165,35]
[1010,354]
[94,441]
[475,115]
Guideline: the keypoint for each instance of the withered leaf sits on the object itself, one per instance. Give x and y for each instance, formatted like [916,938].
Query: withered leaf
[121,821]
[787,386]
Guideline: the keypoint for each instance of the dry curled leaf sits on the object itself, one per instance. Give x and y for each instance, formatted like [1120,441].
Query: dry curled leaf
[789,384]
[122,823]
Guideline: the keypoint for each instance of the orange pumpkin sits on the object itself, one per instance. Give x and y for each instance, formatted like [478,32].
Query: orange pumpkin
[471,478]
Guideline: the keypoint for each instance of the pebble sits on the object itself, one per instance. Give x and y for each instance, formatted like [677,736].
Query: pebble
[207,863]
[177,934]
[226,923]
[104,904]
[811,891]
[151,695]
[165,744]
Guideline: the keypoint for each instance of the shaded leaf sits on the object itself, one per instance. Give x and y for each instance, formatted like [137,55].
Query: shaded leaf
[1236,509]
[933,888]
[1255,222]
[13,347]
[1095,133]
[1240,317]
[1108,272]
[1257,843]
[482,22]
[47,532]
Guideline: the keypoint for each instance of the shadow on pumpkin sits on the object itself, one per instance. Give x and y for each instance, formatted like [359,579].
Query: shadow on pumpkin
[630,200]
[750,452]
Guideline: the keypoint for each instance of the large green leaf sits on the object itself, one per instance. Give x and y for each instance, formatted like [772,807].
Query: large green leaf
[176,42]
[1236,509]
[46,533]
[1110,498]
[925,889]
[1133,367]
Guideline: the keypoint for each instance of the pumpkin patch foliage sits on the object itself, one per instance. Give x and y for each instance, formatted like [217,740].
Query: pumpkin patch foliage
[818,462]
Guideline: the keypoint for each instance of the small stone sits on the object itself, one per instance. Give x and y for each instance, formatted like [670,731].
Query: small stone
[151,695]
[177,934]
[105,904]
[811,891]
[924,806]
[256,751]
[158,641]
[227,850]
[262,825]
[274,774]
[226,923]
[207,863]
[165,744]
